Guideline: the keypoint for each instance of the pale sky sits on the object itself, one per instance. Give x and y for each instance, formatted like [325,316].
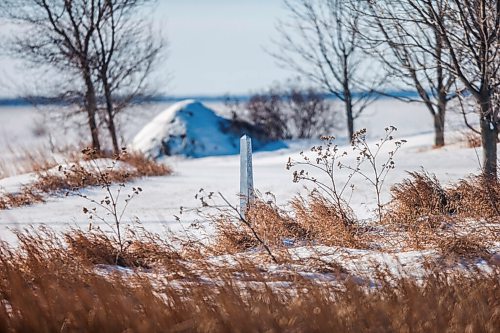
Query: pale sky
[215,47]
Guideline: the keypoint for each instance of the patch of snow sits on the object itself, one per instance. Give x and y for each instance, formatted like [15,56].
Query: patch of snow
[15,183]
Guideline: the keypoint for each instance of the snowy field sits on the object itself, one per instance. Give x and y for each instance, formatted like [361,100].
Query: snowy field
[24,129]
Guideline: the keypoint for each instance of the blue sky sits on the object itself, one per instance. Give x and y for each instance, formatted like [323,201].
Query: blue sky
[215,47]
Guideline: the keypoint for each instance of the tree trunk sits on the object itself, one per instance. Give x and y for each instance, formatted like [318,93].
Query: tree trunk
[442,94]
[350,119]
[112,132]
[439,123]
[438,131]
[347,96]
[111,116]
[91,106]
[489,134]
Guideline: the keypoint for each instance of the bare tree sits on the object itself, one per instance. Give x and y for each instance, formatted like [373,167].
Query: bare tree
[104,46]
[126,51]
[471,32]
[317,42]
[397,28]
[58,33]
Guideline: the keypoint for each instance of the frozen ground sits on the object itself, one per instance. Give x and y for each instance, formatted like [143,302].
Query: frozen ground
[162,197]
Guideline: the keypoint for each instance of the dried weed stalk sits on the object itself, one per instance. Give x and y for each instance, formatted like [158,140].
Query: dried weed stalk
[329,160]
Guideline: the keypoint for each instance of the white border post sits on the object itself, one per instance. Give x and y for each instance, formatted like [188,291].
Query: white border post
[246,174]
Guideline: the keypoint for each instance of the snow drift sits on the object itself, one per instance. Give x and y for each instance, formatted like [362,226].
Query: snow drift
[191,129]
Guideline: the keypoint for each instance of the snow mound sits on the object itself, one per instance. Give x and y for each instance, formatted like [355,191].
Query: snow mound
[191,129]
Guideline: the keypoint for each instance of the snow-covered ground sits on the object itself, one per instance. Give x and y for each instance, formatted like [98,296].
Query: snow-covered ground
[162,197]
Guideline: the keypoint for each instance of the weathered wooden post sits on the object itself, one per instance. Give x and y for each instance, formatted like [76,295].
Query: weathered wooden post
[246,174]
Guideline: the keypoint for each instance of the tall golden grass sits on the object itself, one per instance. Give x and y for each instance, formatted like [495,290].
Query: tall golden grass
[46,288]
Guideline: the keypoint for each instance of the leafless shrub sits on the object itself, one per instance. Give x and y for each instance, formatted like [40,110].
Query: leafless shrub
[266,112]
[310,112]
[292,113]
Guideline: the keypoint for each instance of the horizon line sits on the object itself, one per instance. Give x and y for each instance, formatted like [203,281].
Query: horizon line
[158,99]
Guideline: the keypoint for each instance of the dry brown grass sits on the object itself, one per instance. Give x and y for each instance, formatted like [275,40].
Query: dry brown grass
[44,288]
[311,220]
[96,247]
[463,246]
[83,173]
[26,160]
[420,197]
[472,139]
[325,223]
[270,223]
[24,198]
[445,218]
[145,167]
[423,197]
[422,215]
[476,197]
[274,224]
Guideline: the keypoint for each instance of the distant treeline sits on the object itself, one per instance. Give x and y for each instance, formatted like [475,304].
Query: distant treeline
[40,100]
